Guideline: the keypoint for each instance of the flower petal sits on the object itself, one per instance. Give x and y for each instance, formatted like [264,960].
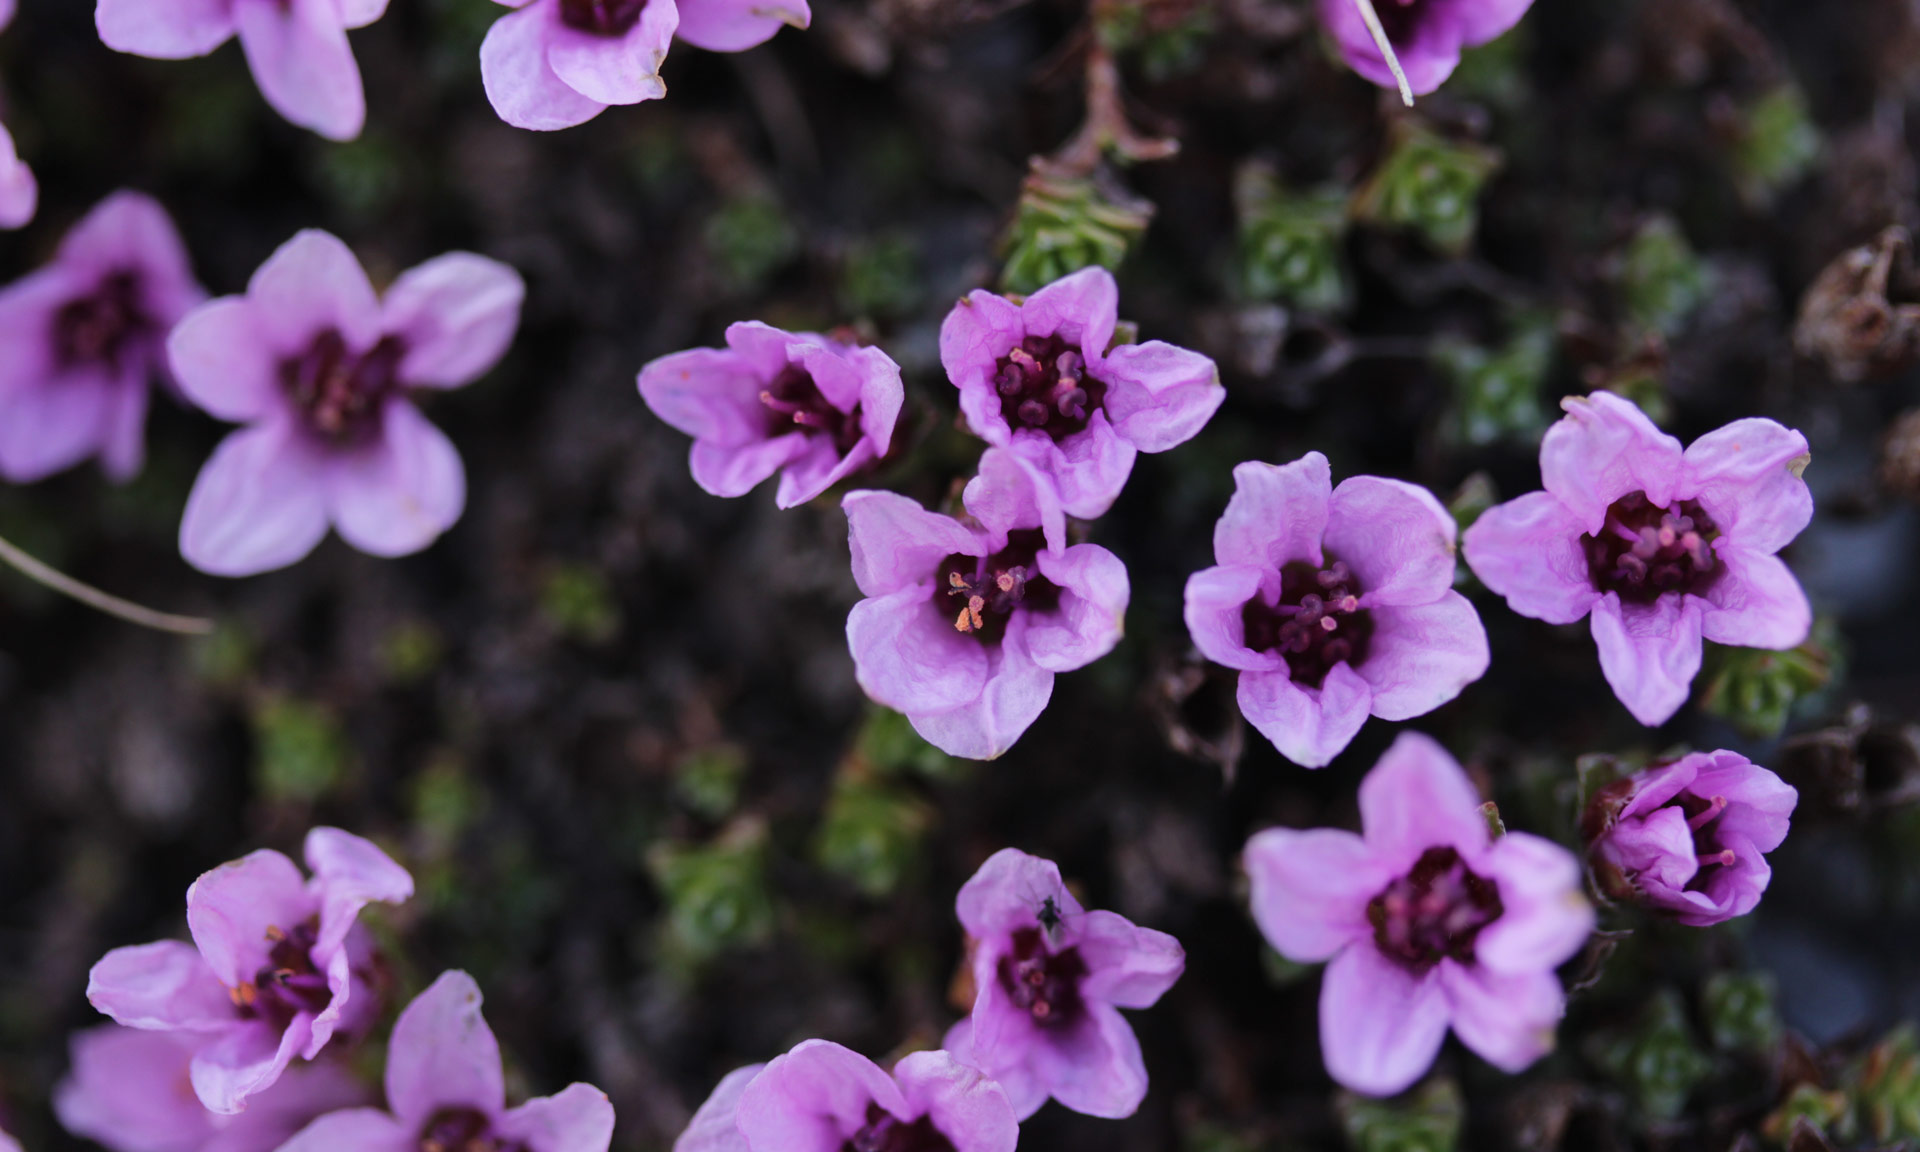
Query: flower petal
[621,69]
[715,1127]
[1747,475]
[1092,608]
[1007,893]
[457,314]
[1310,726]
[232,909]
[1008,492]
[1650,653]
[1082,308]
[1127,966]
[1160,396]
[350,873]
[1603,449]
[908,656]
[1278,514]
[1093,1066]
[1544,919]
[969,1109]
[710,394]
[1216,602]
[1394,536]
[1508,1020]
[300,57]
[979,330]
[1418,658]
[49,426]
[223,363]
[1024,1090]
[245,1061]
[1756,603]
[129,232]
[259,504]
[1015,693]
[1310,890]
[1089,467]
[163,986]
[814,1098]
[443,1055]
[1380,1025]
[895,542]
[124,1091]
[164,29]
[520,84]
[19,192]
[729,471]
[354,1130]
[1418,797]
[578,1118]
[1528,551]
[736,25]
[312,283]
[398,494]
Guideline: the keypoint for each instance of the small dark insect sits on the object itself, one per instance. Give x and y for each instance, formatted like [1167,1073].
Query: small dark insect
[1049,915]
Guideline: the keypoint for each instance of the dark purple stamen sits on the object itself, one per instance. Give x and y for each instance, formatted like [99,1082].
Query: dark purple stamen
[602,17]
[1434,912]
[102,327]
[289,983]
[1045,985]
[793,400]
[984,591]
[1044,384]
[1317,623]
[883,1132]
[464,1130]
[339,392]
[1645,551]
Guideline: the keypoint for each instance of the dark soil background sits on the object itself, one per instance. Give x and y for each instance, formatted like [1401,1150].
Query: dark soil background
[610,722]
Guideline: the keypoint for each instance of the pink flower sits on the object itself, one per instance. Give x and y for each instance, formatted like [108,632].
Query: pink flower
[1427,921]
[1687,837]
[445,1090]
[1049,980]
[1663,547]
[322,371]
[821,1097]
[556,63]
[277,965]
[1334,603]
[130,1092]
[1427,35]
[808,407]
[81,341]
[297,49]
[1037,376]
[963,628]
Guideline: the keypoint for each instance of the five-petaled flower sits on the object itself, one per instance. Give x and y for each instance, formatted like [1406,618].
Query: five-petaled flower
[19,194]
[1662,546]
[1334,604]
[1428,922]
[130,1091]
[1427,35]
[277,967]
[557,63]
[446,1093]
[1049,979]
[809,407]
[1688,837]
[297,49]
[82,338]
[821,1097]
[1038,376]
[964,627]
[321,370]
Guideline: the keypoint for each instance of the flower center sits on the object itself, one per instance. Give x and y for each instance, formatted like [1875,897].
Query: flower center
[602,17]
[1400,20]
[1317,623]
[987,590]
[289,983]
[1044,985]
[1044,384]
[1702,817]
[463,1130]
[338,392]
[99,328]
[1434,912]
[1645,551]
[794,400]
[883,1132]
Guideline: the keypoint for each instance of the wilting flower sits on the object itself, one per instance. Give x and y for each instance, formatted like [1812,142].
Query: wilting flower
[557,63]
[811,408]
[445,1091]
[277,966]
[82,338]
[1334,604]
[964,627]
[297,49]
[129,1091]
[1427,35]
[1428,922]
[322,371]
[1663,547]
[1049,979]
[1688,837]
[821,1097]
[1038,376]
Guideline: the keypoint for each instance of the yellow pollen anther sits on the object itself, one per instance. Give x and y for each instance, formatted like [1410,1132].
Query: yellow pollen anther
[274,934]
[242,995]
[1005,581]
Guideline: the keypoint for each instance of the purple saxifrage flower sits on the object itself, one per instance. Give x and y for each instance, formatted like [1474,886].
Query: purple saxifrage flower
[1688,837]
[811,408]
[964,627]
[321,371]
[821,1097]
[19,195]
[1427,35]
[297,49]
[1334,604]
[1049,979]
[557,63]
[445,1091]
[82,338]
[1663,547]
[277,967]
[1037,376]
[1427,920]
[130,1091]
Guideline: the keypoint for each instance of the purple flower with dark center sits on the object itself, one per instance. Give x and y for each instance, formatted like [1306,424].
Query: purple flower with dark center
[323,372]
[1038,376]
[1426,35]
[446,1092]
[1663,547]
[1049,979]
[557,63]
[964,626]
[809,407]
[1688,838]
[81,341]
[1427,920]
[297,49]
[277,967]
[130,1091]
[821,1097]
[1334,603]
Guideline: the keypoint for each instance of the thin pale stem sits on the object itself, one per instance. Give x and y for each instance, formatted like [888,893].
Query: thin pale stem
[126,610]
[1386,47]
